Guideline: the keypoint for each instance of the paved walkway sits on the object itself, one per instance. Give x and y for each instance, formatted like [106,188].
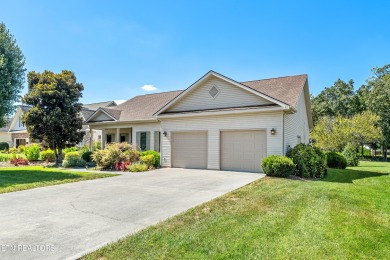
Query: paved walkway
[69,220]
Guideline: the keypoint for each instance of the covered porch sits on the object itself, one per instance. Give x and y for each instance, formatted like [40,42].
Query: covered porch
[145,136]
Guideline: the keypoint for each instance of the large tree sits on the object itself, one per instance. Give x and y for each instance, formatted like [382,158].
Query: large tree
[333,134]
[378,101]
[55,114]
[12,73]
[338,99]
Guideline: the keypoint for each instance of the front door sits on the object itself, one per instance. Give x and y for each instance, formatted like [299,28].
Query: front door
[20,142]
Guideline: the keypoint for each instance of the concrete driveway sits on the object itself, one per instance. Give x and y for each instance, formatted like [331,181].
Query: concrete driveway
[69,220]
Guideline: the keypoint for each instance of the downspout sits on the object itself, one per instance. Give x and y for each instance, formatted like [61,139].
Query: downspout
[283,152]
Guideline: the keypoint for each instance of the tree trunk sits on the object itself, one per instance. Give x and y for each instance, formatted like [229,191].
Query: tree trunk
[384,149]
[55,153]
[362,150]
[60,155]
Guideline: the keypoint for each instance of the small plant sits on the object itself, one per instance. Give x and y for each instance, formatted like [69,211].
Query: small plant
[278,166]
[137,167]
[21,148]
[48,155]
[32,152]
[87,156]
[19,161]
[336,160]
[156,157]
[122,166]
[351,155]
[73,159]
[4,146]
[13,150]
[148,160]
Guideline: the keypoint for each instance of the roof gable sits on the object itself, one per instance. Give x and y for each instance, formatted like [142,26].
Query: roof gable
[101,115]
[15,121]
[228,82]
[216,93]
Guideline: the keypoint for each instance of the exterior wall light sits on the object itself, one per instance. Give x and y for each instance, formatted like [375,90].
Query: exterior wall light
[273,131]
[165,133]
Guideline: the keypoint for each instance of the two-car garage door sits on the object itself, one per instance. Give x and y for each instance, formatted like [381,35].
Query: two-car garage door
[239,150]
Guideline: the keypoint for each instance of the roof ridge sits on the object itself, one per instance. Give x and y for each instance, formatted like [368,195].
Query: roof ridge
[99,102]
[158,93]
[274,78]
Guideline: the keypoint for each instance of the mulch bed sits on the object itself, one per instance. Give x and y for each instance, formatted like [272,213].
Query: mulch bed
[34,163]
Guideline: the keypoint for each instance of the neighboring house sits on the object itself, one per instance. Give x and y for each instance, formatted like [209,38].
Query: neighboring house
[216,123]
[5,136]
[92,136]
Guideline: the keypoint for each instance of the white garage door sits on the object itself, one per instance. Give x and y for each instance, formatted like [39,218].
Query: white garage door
[243,150]
[189,150]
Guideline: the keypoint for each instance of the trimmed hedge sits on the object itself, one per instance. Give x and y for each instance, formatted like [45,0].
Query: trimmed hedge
[48,155]
[4,146]
[310,161]
[32,152]
[336,160]
[278,166]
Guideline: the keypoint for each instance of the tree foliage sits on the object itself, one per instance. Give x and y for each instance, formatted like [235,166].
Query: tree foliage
[333,134]
[55,114]
[12,73]
[378,101]
[339,99]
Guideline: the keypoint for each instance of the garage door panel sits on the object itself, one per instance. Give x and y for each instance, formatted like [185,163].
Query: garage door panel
[189,150]
[243,150]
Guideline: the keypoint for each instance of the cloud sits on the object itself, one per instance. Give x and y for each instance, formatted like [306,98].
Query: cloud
[149,88]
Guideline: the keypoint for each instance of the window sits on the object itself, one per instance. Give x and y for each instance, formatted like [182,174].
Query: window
[109,139]
[143,141]
[123,138]
[99,137]
[20,122]
[299,139]
[20,142]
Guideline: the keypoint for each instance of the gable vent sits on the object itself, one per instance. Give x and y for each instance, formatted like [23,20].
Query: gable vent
[214,92]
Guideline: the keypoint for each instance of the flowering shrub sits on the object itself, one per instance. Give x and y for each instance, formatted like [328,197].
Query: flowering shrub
[19,161]
[115,153]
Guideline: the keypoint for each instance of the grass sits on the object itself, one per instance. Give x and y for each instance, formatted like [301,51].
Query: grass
[23,178]
[344,216]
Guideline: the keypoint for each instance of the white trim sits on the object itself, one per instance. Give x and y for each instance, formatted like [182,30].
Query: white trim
[100,110]
[224,112]
[205,77]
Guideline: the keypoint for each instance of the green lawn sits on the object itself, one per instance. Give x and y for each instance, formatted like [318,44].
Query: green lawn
[23,178]
[344,216]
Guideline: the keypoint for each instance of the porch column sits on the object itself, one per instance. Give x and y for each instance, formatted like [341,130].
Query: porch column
[130,141]
[104,138]
[90,138]
[117,136]
[151,146]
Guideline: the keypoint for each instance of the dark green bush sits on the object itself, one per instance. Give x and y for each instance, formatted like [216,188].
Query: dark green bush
[336,160]
[4,146]
[278,166]
[309,161]
[156,157]
[87,156]
[351,155]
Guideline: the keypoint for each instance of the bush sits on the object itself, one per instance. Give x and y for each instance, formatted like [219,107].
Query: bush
[351,155]
[113,154]
[87,156]
[13,150]
[309,161]
[69,149]
[32,152]
[137,167]
[48,155]
[149,160]
[97,146]
[21,148]
[122,166]
[156,163]
[278,166]
[4,146]
[336,160]
[19,161]
[73,159]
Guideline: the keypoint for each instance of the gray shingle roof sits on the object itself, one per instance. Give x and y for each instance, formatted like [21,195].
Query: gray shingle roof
[95,106]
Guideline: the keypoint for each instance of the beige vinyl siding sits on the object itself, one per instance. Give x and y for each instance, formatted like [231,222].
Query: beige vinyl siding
[213,125]
[100,116]
[146,127]
[6,138]
[229,96]
[296,125]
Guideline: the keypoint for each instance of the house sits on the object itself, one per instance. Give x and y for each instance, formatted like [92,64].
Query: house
[92,136]
[216,123]
[15,133]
